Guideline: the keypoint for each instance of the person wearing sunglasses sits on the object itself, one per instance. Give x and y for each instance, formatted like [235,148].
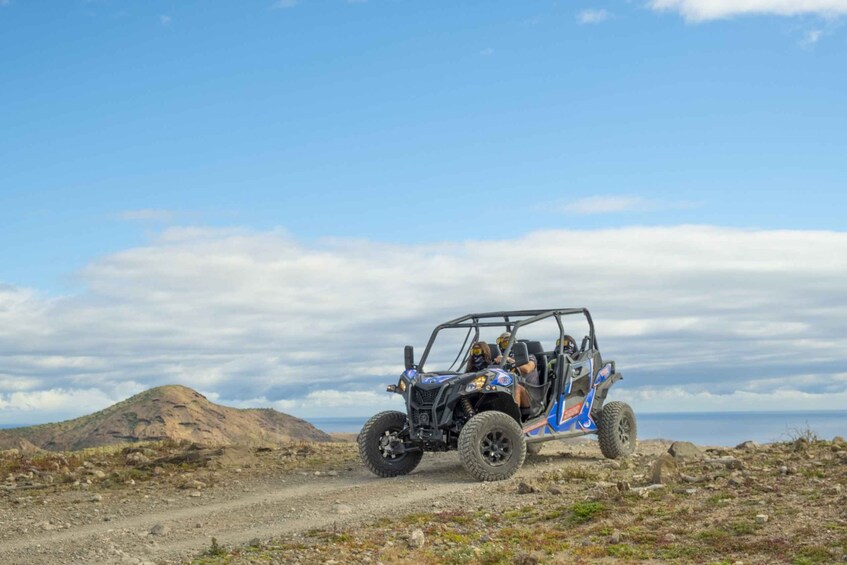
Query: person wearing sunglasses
[568,345]
[480,357]
[528,372]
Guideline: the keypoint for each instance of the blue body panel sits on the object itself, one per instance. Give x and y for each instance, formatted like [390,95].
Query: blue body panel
[576,418]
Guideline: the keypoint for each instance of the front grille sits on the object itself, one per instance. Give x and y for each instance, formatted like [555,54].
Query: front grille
[423,396]
[416,417]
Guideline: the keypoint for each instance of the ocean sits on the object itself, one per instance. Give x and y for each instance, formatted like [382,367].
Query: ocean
[704,428]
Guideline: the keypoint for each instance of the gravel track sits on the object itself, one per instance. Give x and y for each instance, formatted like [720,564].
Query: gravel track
[237,512]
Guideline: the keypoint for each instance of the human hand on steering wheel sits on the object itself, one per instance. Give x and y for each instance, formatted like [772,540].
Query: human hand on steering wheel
[510,362]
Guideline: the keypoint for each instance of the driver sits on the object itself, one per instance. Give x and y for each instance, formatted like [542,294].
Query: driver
[480,357]
[528,371]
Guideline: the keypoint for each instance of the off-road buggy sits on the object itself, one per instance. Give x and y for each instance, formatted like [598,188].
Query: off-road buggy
[476,413]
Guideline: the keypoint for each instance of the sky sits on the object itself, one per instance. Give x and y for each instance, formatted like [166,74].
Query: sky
[266,200]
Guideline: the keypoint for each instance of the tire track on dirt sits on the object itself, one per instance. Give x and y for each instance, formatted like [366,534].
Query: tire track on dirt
[283,508]
[237,520]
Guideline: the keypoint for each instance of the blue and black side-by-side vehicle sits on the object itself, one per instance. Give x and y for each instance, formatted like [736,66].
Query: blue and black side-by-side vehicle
[476,413]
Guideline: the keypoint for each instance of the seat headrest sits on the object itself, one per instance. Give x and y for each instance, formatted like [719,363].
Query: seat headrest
[520,354]
[495,351]
[534,347]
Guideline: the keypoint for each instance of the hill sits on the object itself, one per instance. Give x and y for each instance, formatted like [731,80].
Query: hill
[168,412]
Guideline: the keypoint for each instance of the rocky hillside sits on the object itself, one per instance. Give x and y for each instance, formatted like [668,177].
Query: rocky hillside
[168,412]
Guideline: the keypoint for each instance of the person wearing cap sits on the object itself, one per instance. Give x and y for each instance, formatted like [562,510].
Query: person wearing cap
[528,371]
[480,357]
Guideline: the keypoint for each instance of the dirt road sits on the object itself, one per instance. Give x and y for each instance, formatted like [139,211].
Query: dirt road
[115,526]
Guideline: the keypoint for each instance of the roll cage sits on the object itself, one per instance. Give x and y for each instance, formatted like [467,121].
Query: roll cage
[512,321]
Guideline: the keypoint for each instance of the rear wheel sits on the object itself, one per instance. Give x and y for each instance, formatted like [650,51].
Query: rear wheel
[492,446]
[617,430]
[381,446]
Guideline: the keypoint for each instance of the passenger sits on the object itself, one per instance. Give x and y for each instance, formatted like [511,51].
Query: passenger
[568,348]
[568,345]
[528,372]
[480,357]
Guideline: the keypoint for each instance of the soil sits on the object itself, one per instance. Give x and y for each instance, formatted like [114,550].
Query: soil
[315,503]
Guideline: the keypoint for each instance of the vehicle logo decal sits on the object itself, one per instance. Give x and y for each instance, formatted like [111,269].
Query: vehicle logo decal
[534,427]
[572,411]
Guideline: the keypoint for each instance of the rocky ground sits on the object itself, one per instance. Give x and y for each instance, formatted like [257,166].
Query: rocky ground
[313,503]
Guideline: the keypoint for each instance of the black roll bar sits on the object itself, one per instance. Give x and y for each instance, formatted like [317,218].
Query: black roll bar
[513,326]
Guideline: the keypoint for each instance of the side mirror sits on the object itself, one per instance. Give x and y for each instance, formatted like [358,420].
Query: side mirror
[409,356]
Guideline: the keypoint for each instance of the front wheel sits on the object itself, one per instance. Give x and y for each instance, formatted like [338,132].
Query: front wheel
[492,446]
[617,430]
[382,448]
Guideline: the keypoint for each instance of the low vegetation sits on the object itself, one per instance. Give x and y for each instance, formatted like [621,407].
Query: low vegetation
[168,461]
[780,503]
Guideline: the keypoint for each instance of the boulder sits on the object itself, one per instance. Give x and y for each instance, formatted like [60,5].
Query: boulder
[727,461]
[665,470]
[417,539]
[685,450]
[801,444]
[526,488]
[159,530]
[136,458]
[747,446]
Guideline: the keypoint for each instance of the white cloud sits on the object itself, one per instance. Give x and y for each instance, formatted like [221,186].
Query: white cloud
[607,204]
[593,16]
[147,214]
[810,37]
[21,407]
[488,51]
[260,318]
[165,20]
[703,10]
[613,204]
[285,3]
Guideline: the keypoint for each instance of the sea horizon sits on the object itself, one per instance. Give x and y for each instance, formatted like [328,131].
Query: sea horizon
[706,428]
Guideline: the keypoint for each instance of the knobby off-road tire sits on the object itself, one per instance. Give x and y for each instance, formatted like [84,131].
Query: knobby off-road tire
[617,430]
[492,446]
[373,433]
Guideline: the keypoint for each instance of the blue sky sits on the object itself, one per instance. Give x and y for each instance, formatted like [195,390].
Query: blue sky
[401,123]
[332,118]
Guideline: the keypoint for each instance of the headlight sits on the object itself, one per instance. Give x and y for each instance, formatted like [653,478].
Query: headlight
[402,385]
[476,384]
